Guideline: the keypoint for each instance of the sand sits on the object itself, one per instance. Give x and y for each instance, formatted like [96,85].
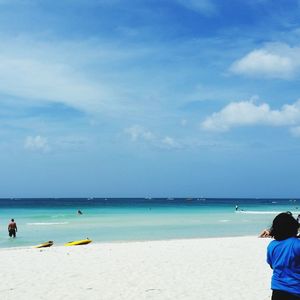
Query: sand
[206,269]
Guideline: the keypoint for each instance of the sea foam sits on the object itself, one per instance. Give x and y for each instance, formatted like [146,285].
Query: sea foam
[46,224]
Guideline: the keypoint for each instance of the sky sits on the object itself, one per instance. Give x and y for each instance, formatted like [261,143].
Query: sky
[148,98]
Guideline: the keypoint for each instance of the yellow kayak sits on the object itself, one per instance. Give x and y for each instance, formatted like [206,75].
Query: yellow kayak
[79,242]
[44,245]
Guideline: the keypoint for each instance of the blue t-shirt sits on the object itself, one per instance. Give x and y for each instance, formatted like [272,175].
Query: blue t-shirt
[284,258]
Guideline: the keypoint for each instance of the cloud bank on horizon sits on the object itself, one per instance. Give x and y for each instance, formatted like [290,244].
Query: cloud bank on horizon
[100,86]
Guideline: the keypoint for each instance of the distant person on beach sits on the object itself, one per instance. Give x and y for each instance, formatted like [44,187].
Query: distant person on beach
[236,207]
[283,256]
[12,228]
[79,212]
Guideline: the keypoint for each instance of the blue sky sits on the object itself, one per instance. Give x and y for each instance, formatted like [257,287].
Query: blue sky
[169,98]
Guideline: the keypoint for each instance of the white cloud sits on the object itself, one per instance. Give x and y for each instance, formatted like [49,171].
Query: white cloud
[169,142]
[36,143]
[247,113]
[205,7]
[262,62]
[137,132]
[275,60]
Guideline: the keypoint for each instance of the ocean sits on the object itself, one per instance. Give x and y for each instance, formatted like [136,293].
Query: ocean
[125,219]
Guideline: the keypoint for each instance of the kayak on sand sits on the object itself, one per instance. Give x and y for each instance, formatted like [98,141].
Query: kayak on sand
[44,245]
[79,242]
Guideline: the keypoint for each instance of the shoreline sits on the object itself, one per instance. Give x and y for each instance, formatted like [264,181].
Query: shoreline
[228,268]
[133,241]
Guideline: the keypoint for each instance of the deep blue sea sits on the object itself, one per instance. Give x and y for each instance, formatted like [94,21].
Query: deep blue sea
[125,219]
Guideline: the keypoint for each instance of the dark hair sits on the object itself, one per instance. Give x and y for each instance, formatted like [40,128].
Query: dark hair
[284,226]
[12,220]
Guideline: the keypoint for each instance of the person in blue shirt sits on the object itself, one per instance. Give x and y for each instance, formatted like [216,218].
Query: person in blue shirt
[283,256]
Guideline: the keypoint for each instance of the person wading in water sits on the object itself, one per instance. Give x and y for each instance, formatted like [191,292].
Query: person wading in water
[12,228]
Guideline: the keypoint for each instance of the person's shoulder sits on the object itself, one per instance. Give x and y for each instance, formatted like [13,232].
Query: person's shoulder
[293,239]
[296,245]
[272,244]
[292,242]
[296,240]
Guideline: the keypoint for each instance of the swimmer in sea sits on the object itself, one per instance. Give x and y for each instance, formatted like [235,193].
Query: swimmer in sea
[79,212]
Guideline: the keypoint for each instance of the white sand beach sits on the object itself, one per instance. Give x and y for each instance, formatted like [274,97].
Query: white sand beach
[206,269]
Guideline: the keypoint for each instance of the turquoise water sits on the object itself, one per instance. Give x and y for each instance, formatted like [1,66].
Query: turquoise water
[41,220]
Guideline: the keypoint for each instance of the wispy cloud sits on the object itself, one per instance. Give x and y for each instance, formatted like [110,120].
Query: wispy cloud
[92,75]
[170,142]
[247,113]
[44,72]
[137,132]
[36,143]
[275,60]
[44,81]
[69,143]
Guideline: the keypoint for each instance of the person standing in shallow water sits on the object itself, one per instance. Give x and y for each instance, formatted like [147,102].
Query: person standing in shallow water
[12,228]
[283,256]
